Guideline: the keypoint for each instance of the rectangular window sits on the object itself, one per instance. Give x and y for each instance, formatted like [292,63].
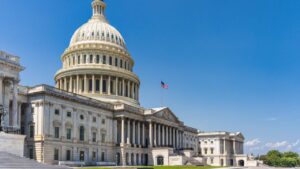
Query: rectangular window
[69,134]
[110,60]
[91,58]
[97,85]
[121,63]
[94,137]
[116,62]
[56,132]
[103,138]
[31,131]
[56,152]
[94,119]
[98,59]
[102,156]
[94,156]
[32,110]
[104,59]
[69,114]
[56,112]
[78,59]
[211,151]
[82,86]
[90,85]
[84,59]
[104,88]
[68,155]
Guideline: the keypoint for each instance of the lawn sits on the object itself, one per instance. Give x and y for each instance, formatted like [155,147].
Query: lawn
[161,167]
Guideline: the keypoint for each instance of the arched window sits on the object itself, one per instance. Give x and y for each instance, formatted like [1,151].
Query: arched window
[81,133]
[98,59]
[116,62]
[91,58]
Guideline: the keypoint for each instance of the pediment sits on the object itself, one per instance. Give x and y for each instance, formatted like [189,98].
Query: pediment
[166,114]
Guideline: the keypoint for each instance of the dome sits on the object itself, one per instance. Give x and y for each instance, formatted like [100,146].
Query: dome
[97,31]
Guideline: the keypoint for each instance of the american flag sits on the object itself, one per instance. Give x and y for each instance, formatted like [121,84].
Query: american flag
[164,85]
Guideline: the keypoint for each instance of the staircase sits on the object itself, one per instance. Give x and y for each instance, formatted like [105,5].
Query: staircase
[9,161]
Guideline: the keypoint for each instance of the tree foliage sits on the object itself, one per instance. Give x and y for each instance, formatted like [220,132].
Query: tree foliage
[277,159]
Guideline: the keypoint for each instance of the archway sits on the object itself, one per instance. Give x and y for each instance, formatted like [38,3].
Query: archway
[222,162]
[241,163]
[160,160]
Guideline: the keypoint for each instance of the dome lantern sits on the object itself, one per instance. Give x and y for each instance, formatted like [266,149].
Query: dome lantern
[98,9]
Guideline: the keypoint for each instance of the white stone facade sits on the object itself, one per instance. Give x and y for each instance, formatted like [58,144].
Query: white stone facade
[93,115]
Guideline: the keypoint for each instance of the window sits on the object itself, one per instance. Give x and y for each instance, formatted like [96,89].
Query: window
[68,155]
[94,137]
[90,85]
[97,85]
[91,58]
[212,142]
[104,59]
[56,132]
[56,112]
[125,64]
[211,151]
[103,138]
[205,151]
[121,63]
[94,156]
[94,119]
[31,131]
[102,156]
[98,59]
[78,59]
[81,117]
[103,121]
[69,114]
[211,160]
[110,60]
[116,62]
[56,152]
[104,87]
[84,59]
[81,132]
[32,110]
[69,134]
[82,85]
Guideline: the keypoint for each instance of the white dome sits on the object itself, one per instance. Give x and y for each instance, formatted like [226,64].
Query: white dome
[97,31]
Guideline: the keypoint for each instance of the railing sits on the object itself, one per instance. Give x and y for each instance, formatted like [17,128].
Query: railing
[10,130]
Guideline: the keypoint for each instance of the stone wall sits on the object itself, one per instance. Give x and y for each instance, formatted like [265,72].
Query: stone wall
[12,143]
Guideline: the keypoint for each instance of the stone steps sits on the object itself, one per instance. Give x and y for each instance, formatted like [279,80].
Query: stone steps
[9,161]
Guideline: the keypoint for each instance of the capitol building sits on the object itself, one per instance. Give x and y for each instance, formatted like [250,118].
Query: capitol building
[93,115]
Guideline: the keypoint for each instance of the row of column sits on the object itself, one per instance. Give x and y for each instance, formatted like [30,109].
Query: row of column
[108,85]
[159,135]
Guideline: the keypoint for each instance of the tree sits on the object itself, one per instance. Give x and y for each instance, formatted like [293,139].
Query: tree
[277,159]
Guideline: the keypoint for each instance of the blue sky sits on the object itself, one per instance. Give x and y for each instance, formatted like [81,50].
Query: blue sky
[231,65]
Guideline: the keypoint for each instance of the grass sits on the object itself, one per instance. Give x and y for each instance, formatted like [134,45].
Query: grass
[162,167]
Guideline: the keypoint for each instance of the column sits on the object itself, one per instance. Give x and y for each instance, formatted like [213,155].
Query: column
[167,136]
[71,84]
[133,93]
[101,84]
[133,132]
[139,133]
[159,135]
[150,134]
[61,84]
[143,134]
[117,86]
[224,146]
[15,104]
[77,84]
[234,149]
[1,91]
[123,87]
[93,84]
[122,131]
[108,85]
[65,84]
[115,122]
[85,84]
[128,88]
[174,138]
[163,135]
[177,139]
[128,131]
[154,133]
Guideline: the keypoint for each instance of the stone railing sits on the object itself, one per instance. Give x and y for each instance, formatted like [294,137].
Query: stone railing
[9,58]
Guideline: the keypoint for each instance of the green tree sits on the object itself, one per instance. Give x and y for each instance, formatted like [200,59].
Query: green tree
[291,154]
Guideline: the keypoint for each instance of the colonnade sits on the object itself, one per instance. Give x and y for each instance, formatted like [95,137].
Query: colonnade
[148,134]
[99,84]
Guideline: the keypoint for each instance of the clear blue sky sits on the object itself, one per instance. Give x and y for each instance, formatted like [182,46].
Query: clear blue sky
[231,65]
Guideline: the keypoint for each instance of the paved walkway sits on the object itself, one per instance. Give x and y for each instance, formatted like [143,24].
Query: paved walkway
[9,161]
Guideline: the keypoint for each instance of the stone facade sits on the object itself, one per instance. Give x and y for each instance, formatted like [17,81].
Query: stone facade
[93,115]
